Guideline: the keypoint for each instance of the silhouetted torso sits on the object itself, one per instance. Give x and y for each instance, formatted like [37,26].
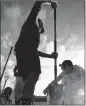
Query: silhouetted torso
[28,41]
[27,44]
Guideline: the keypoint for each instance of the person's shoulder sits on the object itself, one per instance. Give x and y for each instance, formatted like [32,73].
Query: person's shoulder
[26,24]
[75,67]
[78,68]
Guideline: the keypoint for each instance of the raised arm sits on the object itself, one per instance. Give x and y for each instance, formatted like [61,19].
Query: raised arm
[34,12]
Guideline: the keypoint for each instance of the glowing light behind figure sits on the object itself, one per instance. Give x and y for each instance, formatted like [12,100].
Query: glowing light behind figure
[71,48]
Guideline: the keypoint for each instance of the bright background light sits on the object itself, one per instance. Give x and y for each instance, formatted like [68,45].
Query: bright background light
[70,36]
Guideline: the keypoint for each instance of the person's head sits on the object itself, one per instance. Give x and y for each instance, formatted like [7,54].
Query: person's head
[40,25]
[67,66]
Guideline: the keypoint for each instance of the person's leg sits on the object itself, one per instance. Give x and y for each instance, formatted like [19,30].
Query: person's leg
[28,90]
[18,90]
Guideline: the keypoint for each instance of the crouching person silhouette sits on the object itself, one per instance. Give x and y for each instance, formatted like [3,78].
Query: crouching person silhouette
[73,78]
[27,55]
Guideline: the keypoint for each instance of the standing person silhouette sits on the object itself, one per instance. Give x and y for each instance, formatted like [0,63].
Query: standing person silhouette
[27,55]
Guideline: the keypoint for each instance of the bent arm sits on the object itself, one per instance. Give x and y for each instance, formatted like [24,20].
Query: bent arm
[60,77]
[44,55]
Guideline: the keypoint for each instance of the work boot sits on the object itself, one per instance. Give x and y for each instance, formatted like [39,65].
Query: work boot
[18,102]
[26,101]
